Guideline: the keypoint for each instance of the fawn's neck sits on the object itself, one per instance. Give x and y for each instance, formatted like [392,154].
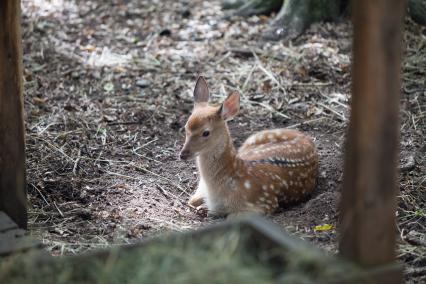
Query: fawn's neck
[217,163]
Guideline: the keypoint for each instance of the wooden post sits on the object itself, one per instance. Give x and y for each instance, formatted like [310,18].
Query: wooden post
[370,175]
[13,198]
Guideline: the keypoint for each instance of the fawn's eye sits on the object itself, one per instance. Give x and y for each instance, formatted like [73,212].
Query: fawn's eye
[205,133]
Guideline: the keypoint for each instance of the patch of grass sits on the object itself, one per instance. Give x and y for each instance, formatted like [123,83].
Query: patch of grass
[219,258]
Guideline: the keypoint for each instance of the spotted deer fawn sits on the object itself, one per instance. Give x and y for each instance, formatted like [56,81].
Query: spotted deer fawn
[271,166]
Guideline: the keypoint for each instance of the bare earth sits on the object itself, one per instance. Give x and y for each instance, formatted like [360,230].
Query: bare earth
[108,88]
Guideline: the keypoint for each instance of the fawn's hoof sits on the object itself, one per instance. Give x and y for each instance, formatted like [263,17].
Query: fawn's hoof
[196,201]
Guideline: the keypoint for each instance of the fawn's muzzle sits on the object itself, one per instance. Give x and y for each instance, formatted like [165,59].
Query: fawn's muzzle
[184,154]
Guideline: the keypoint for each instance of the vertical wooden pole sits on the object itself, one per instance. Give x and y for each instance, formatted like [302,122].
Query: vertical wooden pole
[13,198]
[370,175]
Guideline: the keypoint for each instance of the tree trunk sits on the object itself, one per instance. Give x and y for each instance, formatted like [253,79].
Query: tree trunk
[367,225]
[296,15]
[13,199]
[232,4]
[293,17]
[247,8]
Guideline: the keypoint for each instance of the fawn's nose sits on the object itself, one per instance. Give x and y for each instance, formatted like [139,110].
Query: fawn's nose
[184,155]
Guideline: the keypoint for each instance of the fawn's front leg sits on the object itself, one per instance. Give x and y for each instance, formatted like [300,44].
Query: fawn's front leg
[199,196]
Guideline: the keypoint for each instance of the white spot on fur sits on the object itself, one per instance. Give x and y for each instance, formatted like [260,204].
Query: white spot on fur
[247,184]
[251,140]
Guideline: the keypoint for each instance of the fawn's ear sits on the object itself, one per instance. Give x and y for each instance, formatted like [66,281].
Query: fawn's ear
[230,106]
[201,91]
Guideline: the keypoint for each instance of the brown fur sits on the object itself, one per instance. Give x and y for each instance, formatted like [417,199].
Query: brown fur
[271,166]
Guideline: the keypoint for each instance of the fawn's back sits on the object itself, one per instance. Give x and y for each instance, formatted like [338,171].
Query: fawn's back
[280,164]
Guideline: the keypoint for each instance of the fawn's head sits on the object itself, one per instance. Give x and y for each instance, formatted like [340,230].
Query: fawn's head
[206,127]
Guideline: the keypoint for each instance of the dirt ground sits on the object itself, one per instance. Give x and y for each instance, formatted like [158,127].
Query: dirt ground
[108,89]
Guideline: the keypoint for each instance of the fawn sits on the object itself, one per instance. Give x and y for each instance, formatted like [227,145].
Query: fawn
[271,166]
